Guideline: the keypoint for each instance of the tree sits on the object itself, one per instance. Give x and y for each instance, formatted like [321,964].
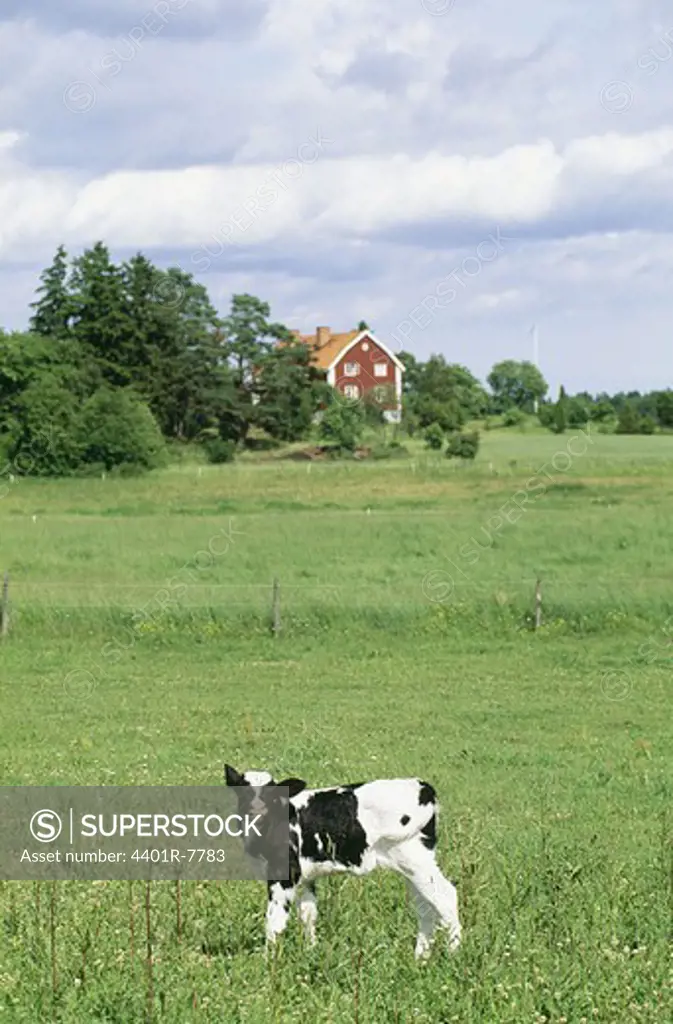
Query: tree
[101,324]
[602,409]
[448,415]
[578,411]
[248,341]
[441,392]
[412,373]
[628,420]
[342,425]
[45,440]
[117,429]
[183,373]
[363,326]
[664,408]
[54,308]
[516,383]
[290,390]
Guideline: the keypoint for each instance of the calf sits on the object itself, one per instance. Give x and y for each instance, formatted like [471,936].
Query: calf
[390,823]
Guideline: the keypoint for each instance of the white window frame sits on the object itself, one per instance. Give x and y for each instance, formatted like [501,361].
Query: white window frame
[380,369]
[349,388]
[381,393]
[351,369]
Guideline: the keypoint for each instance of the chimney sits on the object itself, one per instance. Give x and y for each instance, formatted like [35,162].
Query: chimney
[322,336]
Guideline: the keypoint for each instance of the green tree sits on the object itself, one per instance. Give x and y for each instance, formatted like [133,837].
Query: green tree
[628,420]
[559,420]
[102,326]
[448,415]
[602,409]
[664,407]
[45,440]
[342,424]
[289,391]
[116,429]
[249,338]
[185,377]
[53,310]
[412,373]
[516,383]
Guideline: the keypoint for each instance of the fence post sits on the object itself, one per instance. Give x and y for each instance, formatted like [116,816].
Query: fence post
[4,607]
[275,617]
[538,604]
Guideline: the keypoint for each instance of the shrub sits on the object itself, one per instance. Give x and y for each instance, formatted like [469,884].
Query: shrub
[514,417]
[394,450]
[463,446]
[218,450]
[44,437]
[117,429]
[434,437]
[342,425]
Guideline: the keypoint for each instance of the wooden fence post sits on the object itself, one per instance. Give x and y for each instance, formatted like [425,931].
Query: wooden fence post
[538,604]
[275,619]
[4,607]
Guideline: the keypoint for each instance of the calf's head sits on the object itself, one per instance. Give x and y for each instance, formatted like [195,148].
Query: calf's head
[260,797]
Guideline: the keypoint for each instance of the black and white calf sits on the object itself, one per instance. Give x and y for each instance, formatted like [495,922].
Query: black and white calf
[389,823]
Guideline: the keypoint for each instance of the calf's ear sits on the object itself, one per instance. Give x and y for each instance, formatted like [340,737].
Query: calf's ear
[294,785]
[232,777]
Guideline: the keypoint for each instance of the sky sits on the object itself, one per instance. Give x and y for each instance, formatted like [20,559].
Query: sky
[451,171]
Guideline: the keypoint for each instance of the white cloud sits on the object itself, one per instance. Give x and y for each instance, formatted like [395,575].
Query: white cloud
[442,129]
[317,196]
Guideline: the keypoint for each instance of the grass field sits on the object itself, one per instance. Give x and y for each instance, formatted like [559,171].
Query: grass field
[140,653]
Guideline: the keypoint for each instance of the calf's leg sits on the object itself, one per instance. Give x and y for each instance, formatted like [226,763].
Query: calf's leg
[308,912]
[418,865]
[281,898]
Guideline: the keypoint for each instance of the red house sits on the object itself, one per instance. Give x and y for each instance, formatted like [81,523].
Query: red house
[357,362]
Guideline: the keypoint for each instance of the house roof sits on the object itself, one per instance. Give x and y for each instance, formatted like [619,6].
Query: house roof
[328,353]
[325,354]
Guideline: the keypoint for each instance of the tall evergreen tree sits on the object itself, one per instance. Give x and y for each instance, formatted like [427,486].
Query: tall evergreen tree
[53,310]
[101,322]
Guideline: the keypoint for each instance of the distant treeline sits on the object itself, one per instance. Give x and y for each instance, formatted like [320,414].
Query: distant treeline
[120,360]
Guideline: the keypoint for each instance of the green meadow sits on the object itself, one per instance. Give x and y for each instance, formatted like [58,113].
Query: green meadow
[140,651]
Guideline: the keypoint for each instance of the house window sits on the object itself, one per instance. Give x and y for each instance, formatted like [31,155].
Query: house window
[351,391]
[380,369]
[352,369]
[380,392]
[365,346]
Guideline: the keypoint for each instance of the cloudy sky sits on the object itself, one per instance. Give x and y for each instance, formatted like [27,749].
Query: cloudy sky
[451,171]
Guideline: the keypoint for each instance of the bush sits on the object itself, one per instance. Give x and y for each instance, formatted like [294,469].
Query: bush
[514,417]
[44,438]
[394,450]
[463,446]
[434,437]
[647,425]
[218,450]
[342,425]
[117,429]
